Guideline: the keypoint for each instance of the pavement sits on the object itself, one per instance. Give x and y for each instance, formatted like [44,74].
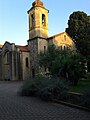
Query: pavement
[15,107]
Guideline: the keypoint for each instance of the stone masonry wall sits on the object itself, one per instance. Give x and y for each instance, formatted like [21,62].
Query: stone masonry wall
[25,69]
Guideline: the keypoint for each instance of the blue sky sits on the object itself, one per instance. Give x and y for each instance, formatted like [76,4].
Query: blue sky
[14,17]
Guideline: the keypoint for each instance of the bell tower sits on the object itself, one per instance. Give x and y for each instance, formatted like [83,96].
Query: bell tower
[38,20]
[38,33]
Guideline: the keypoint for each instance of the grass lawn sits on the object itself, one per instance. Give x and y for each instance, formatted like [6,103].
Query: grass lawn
[81,87]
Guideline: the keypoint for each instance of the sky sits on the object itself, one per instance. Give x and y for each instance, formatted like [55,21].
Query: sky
[14,17]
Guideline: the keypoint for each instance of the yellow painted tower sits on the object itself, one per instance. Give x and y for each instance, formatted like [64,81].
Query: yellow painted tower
[38,20]
[38,33]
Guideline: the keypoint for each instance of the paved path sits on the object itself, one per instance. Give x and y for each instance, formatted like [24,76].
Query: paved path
[15,107]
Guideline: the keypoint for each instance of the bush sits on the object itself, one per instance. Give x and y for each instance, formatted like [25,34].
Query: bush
[30,87]
[88,76]
[45,88]
[53,89]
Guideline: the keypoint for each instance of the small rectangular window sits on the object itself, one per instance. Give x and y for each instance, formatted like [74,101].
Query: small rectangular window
[64,37]
[61,47]
[8,57]
[44,49]
[26,62]
[43,20]
[64,47]
[32,19]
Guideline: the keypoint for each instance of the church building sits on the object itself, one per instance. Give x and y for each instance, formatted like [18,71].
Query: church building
[20,62]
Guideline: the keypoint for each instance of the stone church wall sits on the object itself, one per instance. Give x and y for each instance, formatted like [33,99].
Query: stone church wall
[0,67]
[25,68]
[42,45]
[62,40]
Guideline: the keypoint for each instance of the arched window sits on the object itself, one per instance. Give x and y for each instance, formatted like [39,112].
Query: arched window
[6,58]
[32,20]
[64,37]
[43,20]
[61,47]
[44,49]
[64,47]
[26,61]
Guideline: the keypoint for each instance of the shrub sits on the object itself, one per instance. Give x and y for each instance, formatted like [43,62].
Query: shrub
[30,87]
[45,88]
[53,89]
[88,76]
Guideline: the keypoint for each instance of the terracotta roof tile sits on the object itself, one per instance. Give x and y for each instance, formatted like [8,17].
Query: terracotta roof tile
[1,46]
[23,48]
[56,35]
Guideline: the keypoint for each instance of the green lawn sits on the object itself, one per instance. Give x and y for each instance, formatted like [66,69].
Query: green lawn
[81,87]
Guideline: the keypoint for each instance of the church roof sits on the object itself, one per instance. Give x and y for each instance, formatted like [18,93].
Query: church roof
[23,48]
[56,35]
[59,35]
[1,46]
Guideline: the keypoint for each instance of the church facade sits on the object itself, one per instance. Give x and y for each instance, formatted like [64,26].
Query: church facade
[20,62]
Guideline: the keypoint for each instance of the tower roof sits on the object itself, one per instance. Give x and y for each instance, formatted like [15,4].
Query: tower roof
[37,3]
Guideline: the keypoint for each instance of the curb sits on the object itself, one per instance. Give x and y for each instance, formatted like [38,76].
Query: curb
[71,105]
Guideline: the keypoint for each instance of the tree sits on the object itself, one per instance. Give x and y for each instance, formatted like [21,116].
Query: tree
[79,30]
[46,59]
[65,63]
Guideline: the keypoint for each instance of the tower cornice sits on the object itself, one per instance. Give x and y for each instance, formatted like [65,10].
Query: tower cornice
[35,7]
[37,3]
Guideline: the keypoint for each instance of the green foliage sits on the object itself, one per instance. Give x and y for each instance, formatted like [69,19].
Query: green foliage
[65,63]
[55,89]
[79,30]
[30,87]
[81,87]
[46,59]
[77,21]
[46,89]
[88,63]
[49,89]
[88,76]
